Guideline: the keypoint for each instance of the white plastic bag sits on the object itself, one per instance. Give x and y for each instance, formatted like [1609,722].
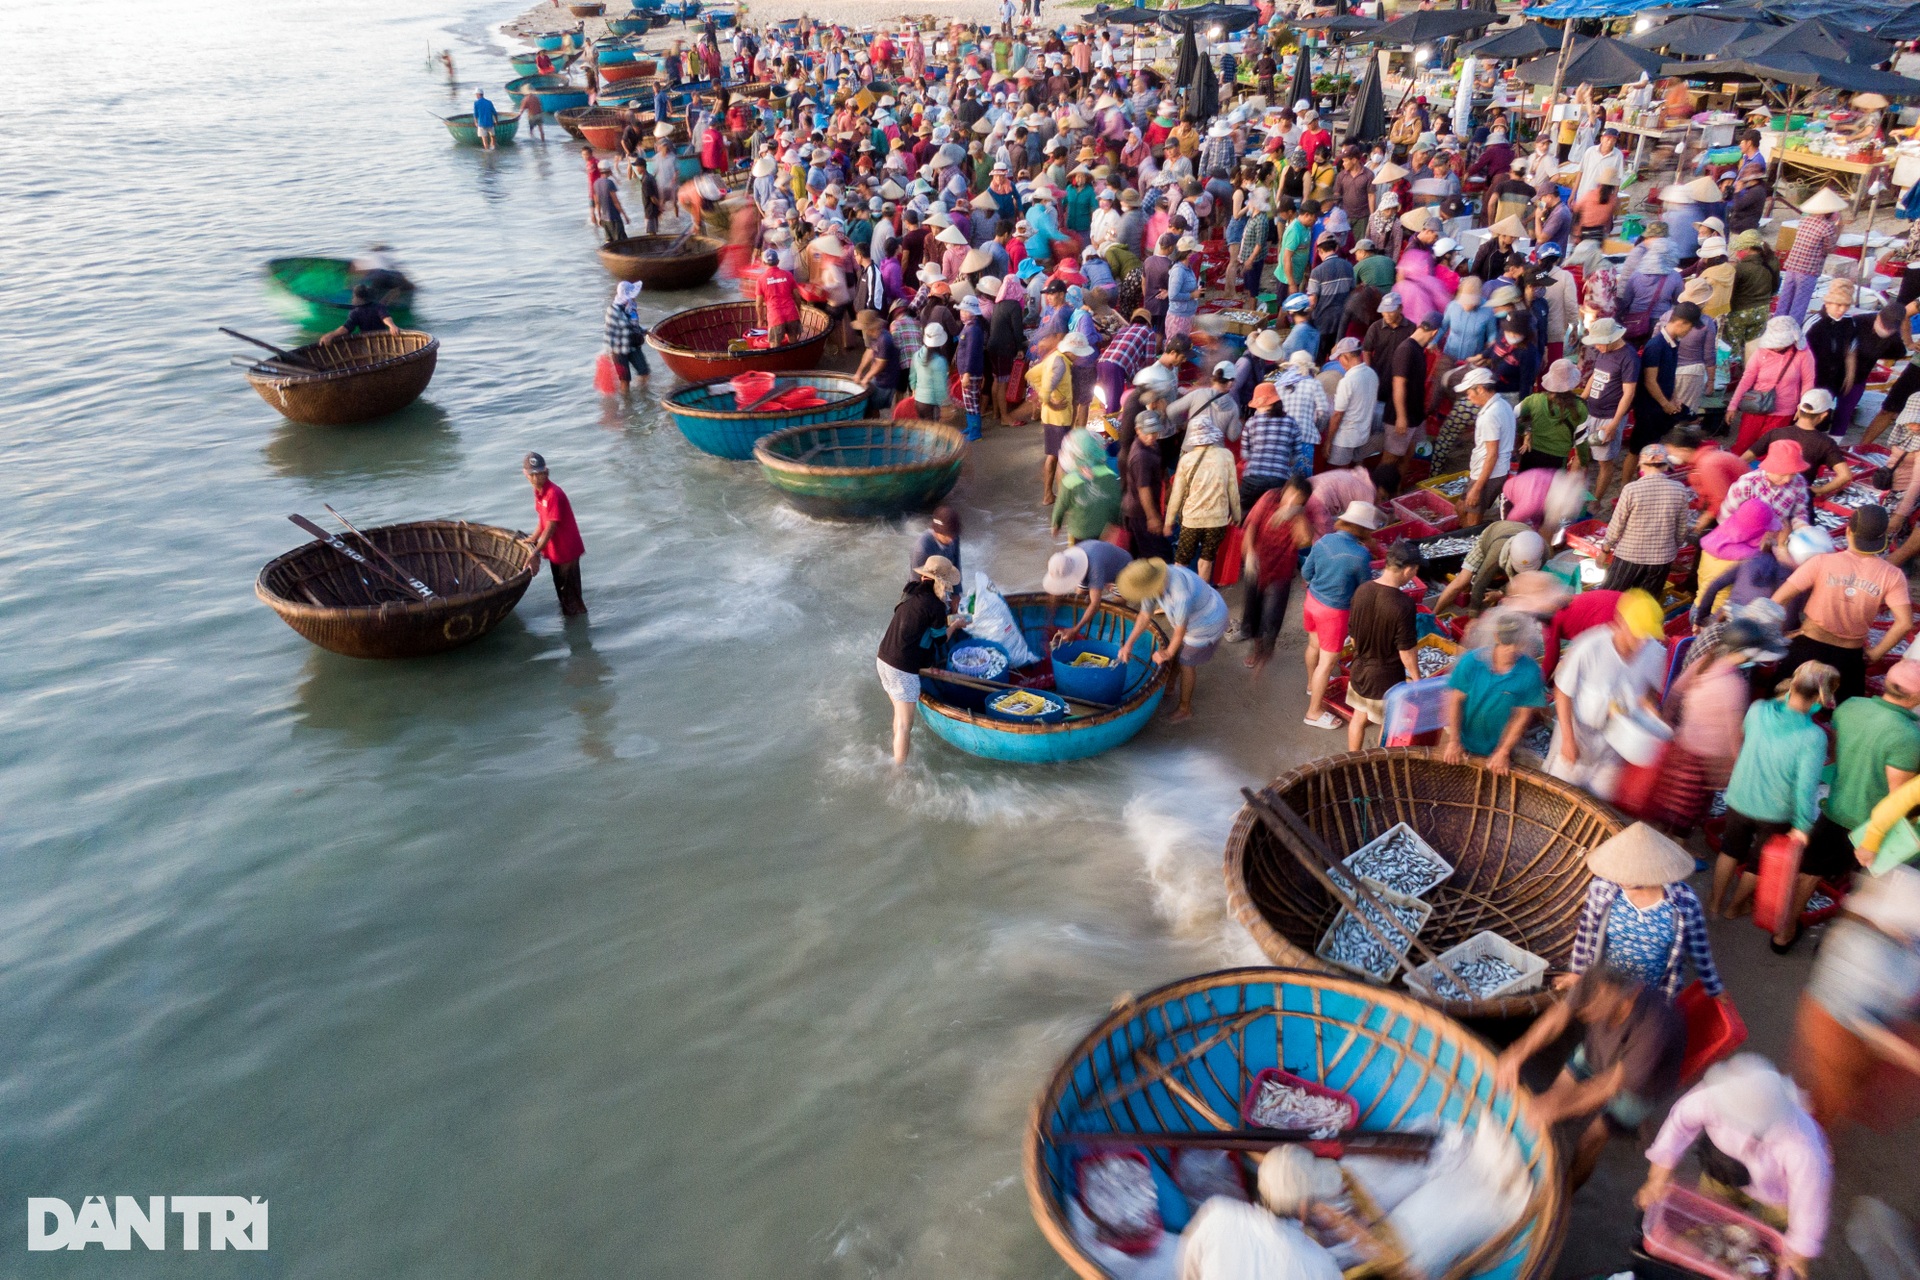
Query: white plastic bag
[1231,1240]
[1478,1186]
[993,621]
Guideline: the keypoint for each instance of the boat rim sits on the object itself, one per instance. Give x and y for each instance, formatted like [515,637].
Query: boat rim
[276,378]
[666,348]
[306,608]
[792,466]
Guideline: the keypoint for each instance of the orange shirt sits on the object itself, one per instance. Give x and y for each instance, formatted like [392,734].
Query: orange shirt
[1847,591]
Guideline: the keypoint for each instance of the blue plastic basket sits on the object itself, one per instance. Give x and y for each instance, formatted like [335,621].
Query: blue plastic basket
[1092,684]
[960,646]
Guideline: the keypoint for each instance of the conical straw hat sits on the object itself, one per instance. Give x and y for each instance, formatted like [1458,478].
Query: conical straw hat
[1640,857]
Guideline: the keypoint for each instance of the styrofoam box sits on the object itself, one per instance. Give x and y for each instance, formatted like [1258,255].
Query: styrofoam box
[1421,911]
[1532,968]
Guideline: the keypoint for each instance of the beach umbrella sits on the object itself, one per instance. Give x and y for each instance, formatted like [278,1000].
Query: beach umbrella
[1189,55]
[1367,116]
[1902,26]
[1816,36]
[1698,35]
[1340,24]
[1131,16]
[1428,26]
[1522,41]
[1228,17]
[1301,85]
[1803,71]
[1603,62]
[1203,93]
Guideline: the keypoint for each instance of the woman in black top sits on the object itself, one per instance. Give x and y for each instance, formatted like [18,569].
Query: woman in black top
[919,621]
[367,316]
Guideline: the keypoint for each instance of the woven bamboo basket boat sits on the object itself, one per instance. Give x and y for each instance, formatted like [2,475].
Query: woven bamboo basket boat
[586,10]
[630,26]
[862,469]
[477,572]
[599,127]
[356,379]
[959,715]
[1181,1060]
[697,343]
[525,64]
[706,414]
[612,73]
[1518,845]
[467,134]
[644,258]
[570,121]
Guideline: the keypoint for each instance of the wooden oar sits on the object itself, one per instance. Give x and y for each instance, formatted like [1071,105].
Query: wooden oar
[348,552]
[248,362]
[1402,1146]
[975,682]
[283,354]
[420,588]
[1311,852]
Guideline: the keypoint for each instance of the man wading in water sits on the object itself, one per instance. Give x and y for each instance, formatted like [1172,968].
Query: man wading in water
[558,537]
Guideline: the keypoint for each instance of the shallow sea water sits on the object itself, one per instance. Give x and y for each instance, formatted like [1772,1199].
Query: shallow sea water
[616,950]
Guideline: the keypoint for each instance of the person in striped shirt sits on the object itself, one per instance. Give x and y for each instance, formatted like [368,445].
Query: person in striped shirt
[1813,240]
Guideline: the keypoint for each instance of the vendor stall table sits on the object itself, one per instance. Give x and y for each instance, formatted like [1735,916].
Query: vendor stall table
[1659,136]
[1854,177]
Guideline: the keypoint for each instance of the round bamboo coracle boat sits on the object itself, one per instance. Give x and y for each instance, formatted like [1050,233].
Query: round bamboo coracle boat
[355,379]
[708,415]
[586,10]
[467,134]
[614,72]
[1518,845]
[712,342]
[599,127]
[1184,1059]
[570,121]
[477,574]
[691,262]
[867,468]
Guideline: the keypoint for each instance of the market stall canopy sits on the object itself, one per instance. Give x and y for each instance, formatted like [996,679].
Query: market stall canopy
[1817,36]
[1228,17]
[1522,41]
[1802,70]
[1902,25]
[1338,24]
[1698,36]
[1131,16]
[1424,26]
[1604,63]
[1367,115]
[1301,84]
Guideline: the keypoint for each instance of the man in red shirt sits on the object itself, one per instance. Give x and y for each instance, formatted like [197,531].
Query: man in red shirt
[558,537]
[780,302]
[1711,471]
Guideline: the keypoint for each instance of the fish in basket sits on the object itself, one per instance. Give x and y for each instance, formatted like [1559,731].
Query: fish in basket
[1517,844]
[1144,1143]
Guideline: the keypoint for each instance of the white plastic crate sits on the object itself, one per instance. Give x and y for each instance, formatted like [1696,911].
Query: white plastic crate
[1533,968]
[1364,861]
[1373,964]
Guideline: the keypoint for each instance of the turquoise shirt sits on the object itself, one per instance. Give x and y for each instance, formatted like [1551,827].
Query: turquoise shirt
[1492,697]
[928,375]
[1777,777]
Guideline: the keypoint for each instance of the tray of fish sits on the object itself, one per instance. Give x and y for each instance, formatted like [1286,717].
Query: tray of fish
[1856,495]
[1432,662]
[1831,521]
[1442,548]
[1400,860]
[1351,946]
[1538,740]
[1454,488]
[1487,963]
[1279,1105]
[1117,1191]
[1717,805]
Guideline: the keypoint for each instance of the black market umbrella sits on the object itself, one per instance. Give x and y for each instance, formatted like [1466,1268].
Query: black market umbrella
[1427,26]
[1902,26]
[1818,37]
[1485,6]
[1203,93]
[1803,71]
[1301,85]
[1189,55]
[1603,62]
[1340,24]
[1228,17]
[1522,41]
[1131,16]
[1367,115]
[1697,35]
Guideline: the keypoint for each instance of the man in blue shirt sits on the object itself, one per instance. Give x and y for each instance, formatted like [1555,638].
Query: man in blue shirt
[1491,697]
[484,117]
[1334,570]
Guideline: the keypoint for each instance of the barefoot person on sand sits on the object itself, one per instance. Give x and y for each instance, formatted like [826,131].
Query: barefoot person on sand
[1196,611]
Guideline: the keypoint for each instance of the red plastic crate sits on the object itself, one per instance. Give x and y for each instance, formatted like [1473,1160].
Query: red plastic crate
[1586,535]
[1680,1210]
[1328,1149]
[1336,699]
[1714,1030]
[1414,529]
[1426,506]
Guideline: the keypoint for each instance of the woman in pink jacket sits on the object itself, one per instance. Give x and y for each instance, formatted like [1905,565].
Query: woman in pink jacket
[1782,365]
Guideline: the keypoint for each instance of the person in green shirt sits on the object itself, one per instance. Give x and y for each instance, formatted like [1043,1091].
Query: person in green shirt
[1548,419]
[1089,499]
[1491,697]
[1876,750]
[1296,247]
[1370,266]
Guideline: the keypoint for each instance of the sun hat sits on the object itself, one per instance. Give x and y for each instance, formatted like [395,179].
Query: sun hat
[1825,200]
[1130,198]
[1301,360]
[1476,378]
[1142,580]
[1561,376]
[1606,329]
[1363,514]
[952,235]
[1264,344]
[1750,1095]
[1444,246]
[1749,240]
[1075,344]
[1535,592]
[977,259]
[1714,225]
[1655,455]
[1525,550]
[828,244]
[1344,347]
[1780,334]
[1297,302]
[1713,247]
[970,306]
[941,570]
[1784,458]
[869,321]
[1418,220]
[1508,226]
[1224,369]
[763,167]
[1756,640]
[934,335]
[1391,200]
[1028,269]
[1265,394]
[1640,614]
[534,465]
[1505,296]
[1640,858]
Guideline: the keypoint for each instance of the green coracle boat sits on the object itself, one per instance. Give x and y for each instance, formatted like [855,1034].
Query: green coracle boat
[318,292]
[464,132]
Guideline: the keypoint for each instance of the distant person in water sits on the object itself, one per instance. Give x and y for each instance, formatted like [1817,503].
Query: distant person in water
[557,538]
[366,316]
[484,117]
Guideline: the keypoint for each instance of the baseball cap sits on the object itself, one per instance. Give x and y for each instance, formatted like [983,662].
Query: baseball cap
[1868,528]
[1640,614]
[1525,551]
[534,465]
[1817,400]
[1346,347]
[1390,302]
[1432,320]
[1654,455]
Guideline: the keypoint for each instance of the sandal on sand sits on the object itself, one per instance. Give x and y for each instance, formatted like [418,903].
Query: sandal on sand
[1327,720]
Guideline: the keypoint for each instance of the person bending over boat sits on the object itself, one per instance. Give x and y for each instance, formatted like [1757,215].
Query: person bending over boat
[1198,614]
[919,620]
[557,538]
[1092,564]
[779,305]
[366,316]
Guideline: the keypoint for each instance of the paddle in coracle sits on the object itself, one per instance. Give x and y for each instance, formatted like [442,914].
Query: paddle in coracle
[347,551]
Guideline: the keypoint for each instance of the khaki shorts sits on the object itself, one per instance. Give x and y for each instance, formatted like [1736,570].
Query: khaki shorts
[1375,709]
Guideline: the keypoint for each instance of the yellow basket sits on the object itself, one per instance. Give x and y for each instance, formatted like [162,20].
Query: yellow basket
[1449,651]
[1452,477]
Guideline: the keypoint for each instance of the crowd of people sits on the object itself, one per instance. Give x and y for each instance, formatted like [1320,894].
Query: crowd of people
[1245,337]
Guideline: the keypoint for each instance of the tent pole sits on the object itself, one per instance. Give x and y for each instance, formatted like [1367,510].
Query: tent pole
[1773,175]
[1559,80]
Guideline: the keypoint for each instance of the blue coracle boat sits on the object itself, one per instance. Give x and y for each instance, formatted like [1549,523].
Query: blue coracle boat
[706,415]
[959,714]
[554,101]
[1181,1059]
